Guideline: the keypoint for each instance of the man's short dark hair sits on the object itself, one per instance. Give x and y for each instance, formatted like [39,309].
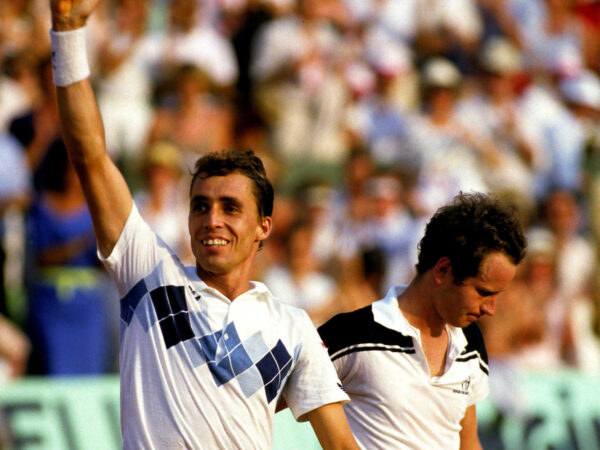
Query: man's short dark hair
[468,229]
[226,162]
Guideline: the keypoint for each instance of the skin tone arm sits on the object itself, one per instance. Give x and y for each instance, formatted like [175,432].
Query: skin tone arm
[468,434]
[105,189]
[14,347]
[331,427]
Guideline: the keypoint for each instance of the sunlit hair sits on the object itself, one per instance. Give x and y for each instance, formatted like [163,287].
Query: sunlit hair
[467,230]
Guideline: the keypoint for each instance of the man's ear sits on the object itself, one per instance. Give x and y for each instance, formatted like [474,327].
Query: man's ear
[442,270]
[264,228]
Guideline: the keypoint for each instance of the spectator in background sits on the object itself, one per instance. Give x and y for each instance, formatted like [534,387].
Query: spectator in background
[243,22]
[551,32]
[192,116]
[18,86]
[575,259]
[68,296]
[562,132]
[125,81]
[397,18]
[588,12]
[296,69]
[379,118]
[494,114]
[15,192]
[392,226]
[556,276]
[274,254]
[162,201]
[449,28]
[361,280]
[38,130]
[581,94]
[23,27]
[516,325]
[188,39]
[301,281]
[532,332]
[451,159]
[251,131]
[340,212]
[562,216]
[14,350]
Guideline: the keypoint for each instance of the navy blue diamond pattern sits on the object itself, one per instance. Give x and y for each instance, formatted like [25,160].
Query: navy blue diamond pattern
[170,306]
[273,368]
[171,311]
[131,300]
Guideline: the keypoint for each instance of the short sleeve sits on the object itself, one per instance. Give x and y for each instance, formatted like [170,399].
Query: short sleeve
[137,252]
[313,381]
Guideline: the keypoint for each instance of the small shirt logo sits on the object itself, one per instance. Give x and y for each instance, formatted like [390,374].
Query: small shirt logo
[464,387]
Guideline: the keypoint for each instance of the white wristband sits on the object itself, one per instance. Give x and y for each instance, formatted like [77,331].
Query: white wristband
[69,56]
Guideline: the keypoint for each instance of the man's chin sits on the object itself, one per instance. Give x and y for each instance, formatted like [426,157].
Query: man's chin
[211,268]
[470,319]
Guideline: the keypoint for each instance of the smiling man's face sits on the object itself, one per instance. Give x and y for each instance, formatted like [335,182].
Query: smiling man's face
[224,224]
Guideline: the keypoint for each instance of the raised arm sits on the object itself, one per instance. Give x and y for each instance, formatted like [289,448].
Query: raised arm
[106,191]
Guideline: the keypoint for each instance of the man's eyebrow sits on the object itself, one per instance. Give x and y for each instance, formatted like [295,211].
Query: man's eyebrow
[235,200]
[198,198]
[224,199]
[486,292]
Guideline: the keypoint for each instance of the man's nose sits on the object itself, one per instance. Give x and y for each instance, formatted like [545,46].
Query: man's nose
[489,307]
[213,218]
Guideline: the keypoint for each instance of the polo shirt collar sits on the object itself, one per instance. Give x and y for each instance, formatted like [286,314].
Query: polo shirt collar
[387,313]
[257,289]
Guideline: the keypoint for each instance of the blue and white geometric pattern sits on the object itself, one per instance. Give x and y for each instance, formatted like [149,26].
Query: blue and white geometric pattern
[251,362]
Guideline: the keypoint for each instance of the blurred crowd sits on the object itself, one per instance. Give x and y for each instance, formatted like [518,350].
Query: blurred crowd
[368,114]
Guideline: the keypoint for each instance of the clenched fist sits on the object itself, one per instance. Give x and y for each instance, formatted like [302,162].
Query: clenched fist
[71,14]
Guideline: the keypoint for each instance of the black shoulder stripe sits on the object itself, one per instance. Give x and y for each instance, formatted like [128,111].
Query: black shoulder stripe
[371,348]
[358,331]
[475,347]
[473,355]
[475,341]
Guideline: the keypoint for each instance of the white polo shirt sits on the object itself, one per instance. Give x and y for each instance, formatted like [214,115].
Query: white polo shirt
[199,371]
[395,403]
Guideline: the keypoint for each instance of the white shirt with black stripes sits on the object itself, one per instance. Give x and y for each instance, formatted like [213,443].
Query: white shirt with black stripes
[395,403]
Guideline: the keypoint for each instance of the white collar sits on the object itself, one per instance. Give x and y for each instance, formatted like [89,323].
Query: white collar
[387,313]
[257,289]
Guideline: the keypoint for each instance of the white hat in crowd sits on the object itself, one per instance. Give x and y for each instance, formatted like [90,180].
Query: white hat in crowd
[440,72]
[501,56]
[582,89]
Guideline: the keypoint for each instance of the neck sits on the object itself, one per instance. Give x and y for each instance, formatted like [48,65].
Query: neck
[231,285]
[416,304]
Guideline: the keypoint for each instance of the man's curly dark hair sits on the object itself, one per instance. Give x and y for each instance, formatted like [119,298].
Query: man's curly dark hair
[468,229]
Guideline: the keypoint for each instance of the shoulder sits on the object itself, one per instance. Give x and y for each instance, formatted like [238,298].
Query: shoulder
[358,331]
[343,322]
[285,309]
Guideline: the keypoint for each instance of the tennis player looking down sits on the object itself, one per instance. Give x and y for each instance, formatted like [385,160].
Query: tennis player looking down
[414,363]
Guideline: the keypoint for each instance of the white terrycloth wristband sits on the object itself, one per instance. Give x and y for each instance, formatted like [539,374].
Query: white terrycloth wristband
[69,56]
